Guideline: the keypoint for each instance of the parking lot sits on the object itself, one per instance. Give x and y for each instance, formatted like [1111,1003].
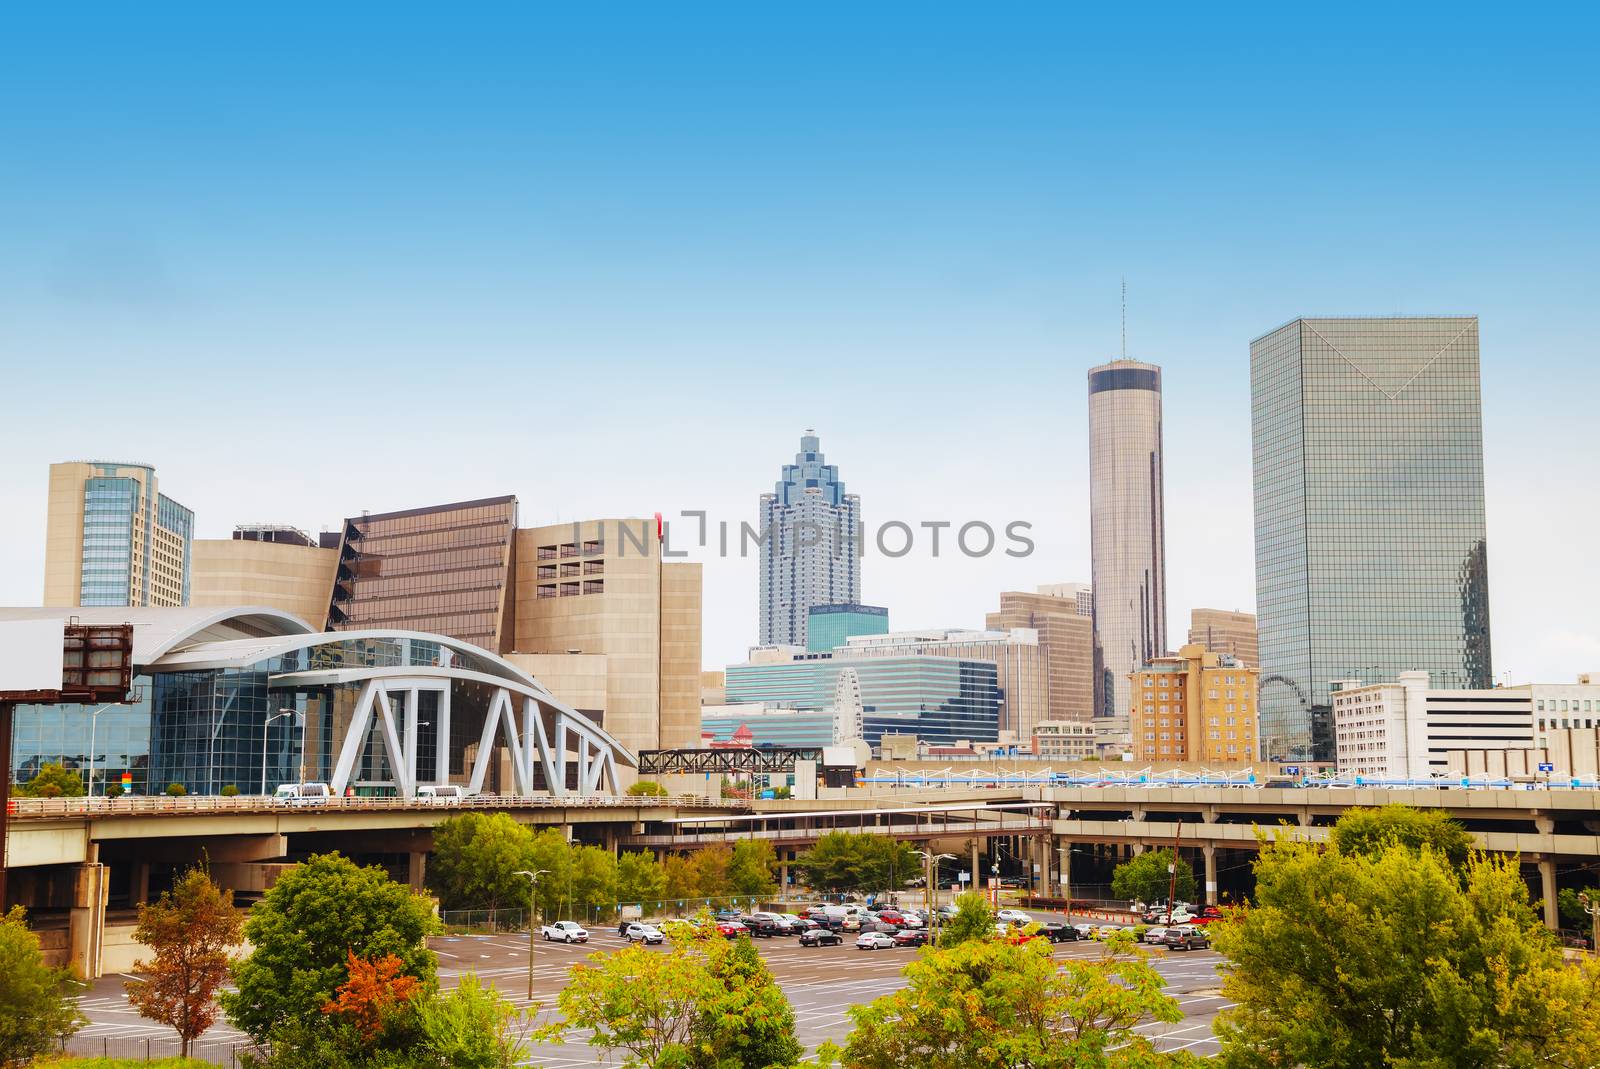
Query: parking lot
[821,982]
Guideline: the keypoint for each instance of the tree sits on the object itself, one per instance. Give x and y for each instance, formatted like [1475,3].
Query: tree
[53,781]
[476,857]
[594,880]
[641,880]
[750,870]
[1144,877]
[1570,906]
[551,854]
[708,869]
[303,931]
[1372,831]
[176,790]
[192,930]
[844,861]
[37,1008]
[999,1004]
[374,990]
[472,1027]
[743,1020]
[1393,957]
[974,919]
[647,788]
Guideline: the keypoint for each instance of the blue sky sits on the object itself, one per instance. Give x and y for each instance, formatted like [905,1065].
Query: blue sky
[313,259]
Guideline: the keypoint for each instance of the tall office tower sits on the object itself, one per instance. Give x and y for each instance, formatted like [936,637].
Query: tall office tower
[810,543]
[1128,533]
[113,539]
[1221,631]
[1370,552]
[1062,615]
[828,626]
[444,569]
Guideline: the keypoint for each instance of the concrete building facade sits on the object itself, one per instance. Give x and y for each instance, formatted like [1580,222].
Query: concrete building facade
[1022,673]
[1127,516]
[1065,626]
[285,572]
[810,546]
[1068,740]
[112,538]
[1405,730]
[1369,513]
[1197,706]
[1226,631]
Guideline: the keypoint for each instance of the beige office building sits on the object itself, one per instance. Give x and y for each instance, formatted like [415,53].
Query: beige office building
[111,538]
[1197,706]
[276,567]
[600,588]
[1222,631]
[1063,619]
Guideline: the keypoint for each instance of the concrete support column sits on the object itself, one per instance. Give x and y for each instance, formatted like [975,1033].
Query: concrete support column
[783,877]
[1210,851]
[139,884]
[416,869]
[86,922]
[1135,850]
[1047,844]
[1547,882]
[977,875]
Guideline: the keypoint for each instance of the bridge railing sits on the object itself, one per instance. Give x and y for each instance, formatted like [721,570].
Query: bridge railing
[143,805]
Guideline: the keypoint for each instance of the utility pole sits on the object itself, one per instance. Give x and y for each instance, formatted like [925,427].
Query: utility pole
[1592,908]
[533,891]
[1066,876]
[1172,870]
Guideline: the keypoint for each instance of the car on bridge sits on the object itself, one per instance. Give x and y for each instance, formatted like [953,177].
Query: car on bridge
[565,932]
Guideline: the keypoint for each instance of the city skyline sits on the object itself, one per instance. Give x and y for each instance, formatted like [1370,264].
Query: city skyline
[919,263]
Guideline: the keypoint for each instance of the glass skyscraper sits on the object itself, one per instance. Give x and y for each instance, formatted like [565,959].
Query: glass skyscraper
[829,626]
[1370,551]
[810,539]
[1128,531]
[113,539]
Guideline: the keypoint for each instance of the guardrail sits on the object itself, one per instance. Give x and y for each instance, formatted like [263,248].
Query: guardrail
[145,805]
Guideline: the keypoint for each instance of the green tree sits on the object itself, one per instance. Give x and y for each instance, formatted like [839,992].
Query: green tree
[974,919]
[471,1027]
[743,1020]
[647,788]
[1373,831]
[303,929]
[1144,877]
[1393,957]
[750,870]
[678,878]
[1570,906]
[37,1008]
[845,861]
[594,881]
[176,790]
[709,873]
[53,781]
[192,929]
[476,857]
[1000,1004]
[641,880]
[551,854]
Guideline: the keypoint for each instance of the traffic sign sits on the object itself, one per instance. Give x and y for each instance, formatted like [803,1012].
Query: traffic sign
[1546,766]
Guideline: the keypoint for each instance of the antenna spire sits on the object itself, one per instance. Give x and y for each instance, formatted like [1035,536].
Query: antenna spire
[1124,317]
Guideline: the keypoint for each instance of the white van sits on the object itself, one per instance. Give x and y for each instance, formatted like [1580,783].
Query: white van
[442,793]
[302,794]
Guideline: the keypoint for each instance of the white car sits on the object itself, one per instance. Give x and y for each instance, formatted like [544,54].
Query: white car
[1086,931]
[643,933]
[1013,916]
[565,932]
[874,941]
[1153,934]
[1106,931]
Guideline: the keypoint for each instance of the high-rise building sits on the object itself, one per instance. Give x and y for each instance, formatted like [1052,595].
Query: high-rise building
[1194,706]
[1222,631]
[113,539]
[1128,529]
[1062,615]
[828,626]
[600,588]
[810,545]
[1017,655]
[444,569]
[1370,549]
[275,566]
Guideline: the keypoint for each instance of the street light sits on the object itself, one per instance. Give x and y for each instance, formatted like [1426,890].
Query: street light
[94,722]
[533,889]
[1592,908]
[279,715]
[931,862]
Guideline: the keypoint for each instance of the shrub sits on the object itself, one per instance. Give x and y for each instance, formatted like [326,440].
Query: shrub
[230,791]
[177,790]
[114,790]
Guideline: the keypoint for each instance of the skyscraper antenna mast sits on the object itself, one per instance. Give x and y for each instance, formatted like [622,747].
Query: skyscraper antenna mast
[1124,317]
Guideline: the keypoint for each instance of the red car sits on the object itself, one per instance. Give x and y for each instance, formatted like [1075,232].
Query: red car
[731,929]
[1207,915]
[891,916]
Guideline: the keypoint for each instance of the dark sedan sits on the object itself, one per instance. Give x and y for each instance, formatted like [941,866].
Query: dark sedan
[911,937]
[820,937]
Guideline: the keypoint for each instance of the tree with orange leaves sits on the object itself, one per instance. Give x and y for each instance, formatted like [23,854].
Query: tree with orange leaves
[191,928]
[374,989]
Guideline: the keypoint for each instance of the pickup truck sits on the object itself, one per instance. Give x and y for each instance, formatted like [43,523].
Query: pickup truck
[1059,933]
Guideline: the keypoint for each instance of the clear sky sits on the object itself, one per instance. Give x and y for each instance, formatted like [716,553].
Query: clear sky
[313,259]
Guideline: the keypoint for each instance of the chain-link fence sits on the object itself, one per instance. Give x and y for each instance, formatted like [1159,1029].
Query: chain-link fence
[152,1047]
[483,920]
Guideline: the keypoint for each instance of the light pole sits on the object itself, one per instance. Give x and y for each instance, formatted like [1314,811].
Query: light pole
[930,866]
[1592,908]
[94,722]
[533,890]
[279,715]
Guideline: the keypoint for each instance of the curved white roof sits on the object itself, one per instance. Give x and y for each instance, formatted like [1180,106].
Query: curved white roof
[157,632]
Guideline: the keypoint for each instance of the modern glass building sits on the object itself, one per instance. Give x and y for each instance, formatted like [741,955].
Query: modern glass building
[1127,518]
[1369,514]
[771,727]
[810,546]
[829,626]
[941,700]
[113,539]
